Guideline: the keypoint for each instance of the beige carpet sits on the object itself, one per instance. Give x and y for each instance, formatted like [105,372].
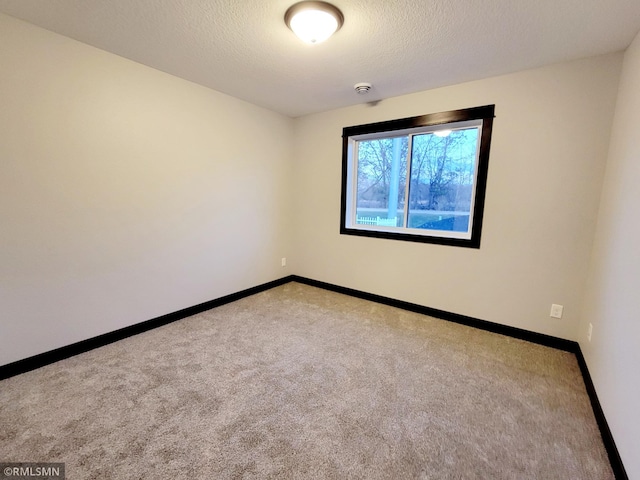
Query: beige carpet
[298,382]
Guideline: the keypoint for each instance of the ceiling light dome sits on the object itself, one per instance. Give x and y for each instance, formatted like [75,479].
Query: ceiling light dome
[313,22]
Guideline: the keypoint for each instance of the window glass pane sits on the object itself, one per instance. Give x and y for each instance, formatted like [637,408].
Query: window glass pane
[382,176]
[443,167]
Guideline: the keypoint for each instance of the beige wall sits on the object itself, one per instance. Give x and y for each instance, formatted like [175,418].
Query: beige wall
[126,193]
[612,301]
[548,152]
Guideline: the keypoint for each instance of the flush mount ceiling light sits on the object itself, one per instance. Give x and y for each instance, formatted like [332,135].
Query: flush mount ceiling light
[313,22]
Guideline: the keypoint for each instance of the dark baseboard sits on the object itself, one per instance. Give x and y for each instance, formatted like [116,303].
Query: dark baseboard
[539,338]
[607,438]
[52,356]
[46,358]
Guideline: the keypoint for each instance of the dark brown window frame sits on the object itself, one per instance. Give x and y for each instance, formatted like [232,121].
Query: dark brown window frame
[484,113]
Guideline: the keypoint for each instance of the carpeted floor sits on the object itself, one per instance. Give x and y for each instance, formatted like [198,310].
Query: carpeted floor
[298,382]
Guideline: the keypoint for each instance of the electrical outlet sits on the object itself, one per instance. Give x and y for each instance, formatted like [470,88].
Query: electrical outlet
[589,331]
[556,311]
[284,262]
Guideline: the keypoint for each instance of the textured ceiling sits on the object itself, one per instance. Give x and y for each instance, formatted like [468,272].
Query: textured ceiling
[244,49]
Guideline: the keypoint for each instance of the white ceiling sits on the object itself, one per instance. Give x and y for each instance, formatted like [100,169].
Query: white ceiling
[244,49]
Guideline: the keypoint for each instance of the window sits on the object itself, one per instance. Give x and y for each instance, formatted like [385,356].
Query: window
[420,179]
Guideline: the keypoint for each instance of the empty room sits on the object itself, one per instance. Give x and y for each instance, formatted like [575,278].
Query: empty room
[280,239]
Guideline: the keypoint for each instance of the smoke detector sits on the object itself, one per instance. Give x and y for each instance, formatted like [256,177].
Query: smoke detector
[362,88]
